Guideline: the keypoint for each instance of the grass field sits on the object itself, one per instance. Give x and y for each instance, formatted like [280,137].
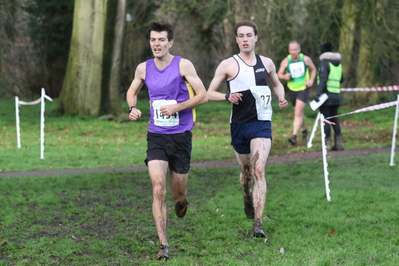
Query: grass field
[106,219]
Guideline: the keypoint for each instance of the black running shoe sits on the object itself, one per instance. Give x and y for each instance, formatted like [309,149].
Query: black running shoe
[258,229]
[292,140]
[163,253]
[304,137]
[249,206]
[181,208]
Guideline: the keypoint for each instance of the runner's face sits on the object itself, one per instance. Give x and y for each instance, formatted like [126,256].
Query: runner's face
[294,50]
[246,38]
[159,43]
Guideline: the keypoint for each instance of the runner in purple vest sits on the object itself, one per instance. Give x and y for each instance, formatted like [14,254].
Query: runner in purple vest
[174,89]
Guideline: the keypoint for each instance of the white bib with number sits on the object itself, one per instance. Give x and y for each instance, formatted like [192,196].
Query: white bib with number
[161,119]
[263,98]
[297,69]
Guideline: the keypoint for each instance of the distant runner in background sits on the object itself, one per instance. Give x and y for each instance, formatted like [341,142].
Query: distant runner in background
[299,72]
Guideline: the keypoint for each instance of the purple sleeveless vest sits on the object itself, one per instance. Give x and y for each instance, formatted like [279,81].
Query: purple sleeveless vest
[167,84]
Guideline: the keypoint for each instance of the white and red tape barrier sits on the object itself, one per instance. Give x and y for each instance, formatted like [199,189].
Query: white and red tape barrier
[34,102]
[370,108]
[365,109]
[383,88]
[41,100]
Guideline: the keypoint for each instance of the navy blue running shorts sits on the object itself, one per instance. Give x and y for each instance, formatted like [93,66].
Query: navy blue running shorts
[242,134]
[173,148]
[300,95]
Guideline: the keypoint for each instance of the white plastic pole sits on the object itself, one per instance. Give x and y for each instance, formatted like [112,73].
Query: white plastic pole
[324,151]
[395,130]
[313,130]
[42,126]
[17,122]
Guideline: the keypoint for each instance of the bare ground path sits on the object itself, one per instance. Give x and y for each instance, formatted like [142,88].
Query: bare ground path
[287,158]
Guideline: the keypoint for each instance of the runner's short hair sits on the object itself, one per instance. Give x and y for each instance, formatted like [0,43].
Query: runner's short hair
[295,42]
[160,26]
[248,23]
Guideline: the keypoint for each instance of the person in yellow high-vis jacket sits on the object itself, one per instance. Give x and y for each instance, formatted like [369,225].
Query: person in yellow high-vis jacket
[329,80]
[299,72]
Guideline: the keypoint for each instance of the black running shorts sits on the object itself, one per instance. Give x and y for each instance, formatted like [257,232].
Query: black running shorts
[173,148]
[300,95]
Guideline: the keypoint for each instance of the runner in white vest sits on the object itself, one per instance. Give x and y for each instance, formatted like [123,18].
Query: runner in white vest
[248,76]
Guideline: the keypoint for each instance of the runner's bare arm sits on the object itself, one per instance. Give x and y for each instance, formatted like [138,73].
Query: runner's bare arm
[225,71]
[313,71]
[135,86]
[275,82]
[281,72]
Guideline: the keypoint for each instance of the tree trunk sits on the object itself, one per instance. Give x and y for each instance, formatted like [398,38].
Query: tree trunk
[111,100]
[366,60]
[364,72]
[346,41]
[81,91]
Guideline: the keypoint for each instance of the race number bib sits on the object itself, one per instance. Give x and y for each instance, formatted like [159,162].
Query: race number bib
[263,98]
[297,69]
[161,119]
